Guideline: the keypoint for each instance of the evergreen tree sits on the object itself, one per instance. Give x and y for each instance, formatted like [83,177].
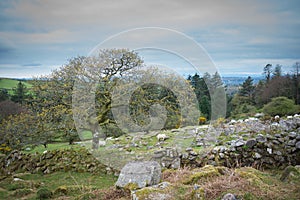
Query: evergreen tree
[20,93]
[277,71]
[268,72]
[247,89]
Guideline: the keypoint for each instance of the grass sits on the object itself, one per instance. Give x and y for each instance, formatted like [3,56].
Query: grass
[53,146]
[68,184]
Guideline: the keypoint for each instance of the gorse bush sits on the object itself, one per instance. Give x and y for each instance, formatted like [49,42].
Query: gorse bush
[281,106]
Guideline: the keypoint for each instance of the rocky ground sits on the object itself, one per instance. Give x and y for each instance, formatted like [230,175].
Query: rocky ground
[254,158]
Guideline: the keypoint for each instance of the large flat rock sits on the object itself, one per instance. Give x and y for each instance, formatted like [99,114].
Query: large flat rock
[143,174]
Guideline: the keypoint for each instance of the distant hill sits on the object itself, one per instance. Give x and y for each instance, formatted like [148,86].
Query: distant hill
[229,81]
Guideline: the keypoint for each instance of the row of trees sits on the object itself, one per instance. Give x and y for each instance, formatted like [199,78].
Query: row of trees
[252,97]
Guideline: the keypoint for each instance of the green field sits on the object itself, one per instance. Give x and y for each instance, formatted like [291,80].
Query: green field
[63,185]
[9,84]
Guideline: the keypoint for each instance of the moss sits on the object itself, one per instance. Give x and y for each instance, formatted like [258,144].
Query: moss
[131,186]
[143,194]
[198,194]
[252,175]
[61,190]
[206,172]
[44,193]
[22,192]
[287,171]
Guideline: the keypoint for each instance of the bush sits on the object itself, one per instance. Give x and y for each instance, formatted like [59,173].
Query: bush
[281,106]
[44,193]
[202,120]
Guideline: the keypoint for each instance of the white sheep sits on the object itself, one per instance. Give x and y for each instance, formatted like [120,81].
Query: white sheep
[277,117]
[161,137]
[296,115]
[102,143]
[232,121]
[289,117]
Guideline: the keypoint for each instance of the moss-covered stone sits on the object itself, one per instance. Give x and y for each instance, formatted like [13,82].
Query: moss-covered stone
[203,173]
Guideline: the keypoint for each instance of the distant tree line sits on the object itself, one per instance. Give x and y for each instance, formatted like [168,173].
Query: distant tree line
[252,98]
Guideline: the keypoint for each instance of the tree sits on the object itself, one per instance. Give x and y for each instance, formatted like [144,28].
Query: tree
[247,88]
[8,108]
[81,89]
[297,82]
[281,106]
[18,131]
[4,94]
[268,72]
[277,71]
[205,106]
[20,93]
[202,92]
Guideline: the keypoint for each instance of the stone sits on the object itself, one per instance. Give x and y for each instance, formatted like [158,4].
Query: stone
[281,140]
[251,143]
[291,143]
[292,135]
[228,196]
[260,138]
[269,150]
[278,153]
[277,135]
[221,155]
[239,143]
[189,149]
[143,174]
[257,155]
[298,145]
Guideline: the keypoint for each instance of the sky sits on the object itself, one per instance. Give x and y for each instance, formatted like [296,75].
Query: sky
[238,37]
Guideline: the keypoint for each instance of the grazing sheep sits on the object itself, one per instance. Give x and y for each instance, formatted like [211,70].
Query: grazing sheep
[289,117]
[253,119]
[161,137]
[109,138]
[296,115]
[102,143]
[277,117]
[233,121]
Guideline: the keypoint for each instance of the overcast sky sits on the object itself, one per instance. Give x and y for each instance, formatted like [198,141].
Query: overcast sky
[240,37]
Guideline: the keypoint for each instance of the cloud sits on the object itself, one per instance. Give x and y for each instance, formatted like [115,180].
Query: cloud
[51,31]
[32,65]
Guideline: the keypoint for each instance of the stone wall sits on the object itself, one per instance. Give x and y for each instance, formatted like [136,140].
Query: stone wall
[50,161]
[260,151]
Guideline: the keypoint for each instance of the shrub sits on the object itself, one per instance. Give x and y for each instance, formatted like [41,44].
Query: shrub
[281,106]
[202,120]
[44,193]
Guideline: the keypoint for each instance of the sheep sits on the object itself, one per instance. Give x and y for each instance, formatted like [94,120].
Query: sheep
[289,117]
[102,143]
[296,115]
[161,137]
[233,121]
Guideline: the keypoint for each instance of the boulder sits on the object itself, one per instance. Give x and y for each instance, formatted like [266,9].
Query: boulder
[142,174]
